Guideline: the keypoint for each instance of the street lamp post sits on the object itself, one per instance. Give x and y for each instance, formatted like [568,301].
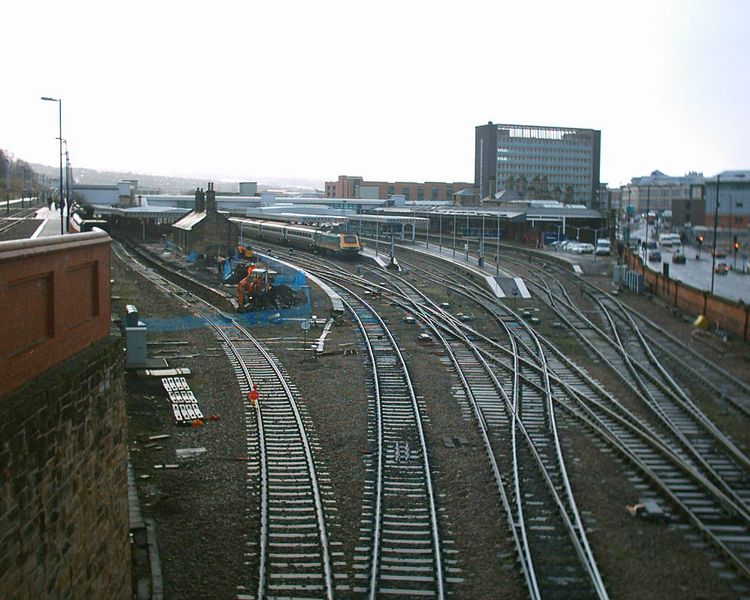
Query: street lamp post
[67,188]
[481,246]
[497,250]
[7,185]
[454,235]
[440,232]
[716,222]
[648,211]
[428,230]
[59,119]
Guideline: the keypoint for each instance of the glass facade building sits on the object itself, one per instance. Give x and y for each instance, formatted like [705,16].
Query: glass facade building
[538,162]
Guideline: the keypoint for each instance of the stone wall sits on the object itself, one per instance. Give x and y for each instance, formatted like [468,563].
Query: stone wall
[63,481]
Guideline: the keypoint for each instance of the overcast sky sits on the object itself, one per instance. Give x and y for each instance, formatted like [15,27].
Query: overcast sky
[386,90]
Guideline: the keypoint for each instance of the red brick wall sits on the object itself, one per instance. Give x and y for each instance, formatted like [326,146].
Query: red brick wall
[726,314]
[54,294]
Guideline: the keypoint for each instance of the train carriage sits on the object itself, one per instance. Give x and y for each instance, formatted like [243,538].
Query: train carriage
[301,237]
[273,231]
[304,237]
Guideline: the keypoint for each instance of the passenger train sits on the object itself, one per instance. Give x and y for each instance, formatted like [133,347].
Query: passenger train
[322,240]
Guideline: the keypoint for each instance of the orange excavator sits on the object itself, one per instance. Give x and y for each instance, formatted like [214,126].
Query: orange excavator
[252,286]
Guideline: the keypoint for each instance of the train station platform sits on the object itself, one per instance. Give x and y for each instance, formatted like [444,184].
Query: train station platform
[50,223]
[501,282]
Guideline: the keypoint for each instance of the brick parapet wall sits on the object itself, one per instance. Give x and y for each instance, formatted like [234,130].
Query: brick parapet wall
[63,481]
[55,295]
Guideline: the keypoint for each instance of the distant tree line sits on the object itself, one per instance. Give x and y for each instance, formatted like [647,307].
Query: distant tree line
[17,177]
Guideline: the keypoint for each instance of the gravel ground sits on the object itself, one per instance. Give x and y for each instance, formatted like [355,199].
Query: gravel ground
[202,510]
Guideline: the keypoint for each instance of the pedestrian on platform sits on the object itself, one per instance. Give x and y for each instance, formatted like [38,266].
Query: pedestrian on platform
[253,396]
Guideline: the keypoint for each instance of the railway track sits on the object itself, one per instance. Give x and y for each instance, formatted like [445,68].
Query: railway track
[670,349]
[293,553]
[519,385]
[628,354]
[710,504]
[525,459]
[19,216]
[402,538]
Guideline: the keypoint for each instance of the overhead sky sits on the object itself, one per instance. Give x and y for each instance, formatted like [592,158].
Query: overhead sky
[389,90]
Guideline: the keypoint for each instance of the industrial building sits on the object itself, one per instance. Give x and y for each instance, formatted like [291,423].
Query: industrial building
[732,189]
[538,163]
[679,199]
[355,187]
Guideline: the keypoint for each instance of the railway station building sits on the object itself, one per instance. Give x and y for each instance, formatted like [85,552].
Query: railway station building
[204,230]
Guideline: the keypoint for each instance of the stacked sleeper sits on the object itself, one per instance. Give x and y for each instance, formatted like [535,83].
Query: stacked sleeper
[183,401]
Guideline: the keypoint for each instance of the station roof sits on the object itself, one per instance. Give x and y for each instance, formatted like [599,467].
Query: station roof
[150,212]
[292,217]
[190,220]
[731,176]
[474,211]
[568,212]
[407,217]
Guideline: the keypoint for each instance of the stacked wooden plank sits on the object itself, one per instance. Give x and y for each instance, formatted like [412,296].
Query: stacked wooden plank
[183,401]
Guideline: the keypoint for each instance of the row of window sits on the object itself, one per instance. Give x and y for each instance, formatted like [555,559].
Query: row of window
[511,169]
[547,148]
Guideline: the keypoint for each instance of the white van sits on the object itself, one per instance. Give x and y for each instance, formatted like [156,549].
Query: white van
[667,240]
[603,247]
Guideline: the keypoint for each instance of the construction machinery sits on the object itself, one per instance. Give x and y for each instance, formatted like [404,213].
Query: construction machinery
[252,288]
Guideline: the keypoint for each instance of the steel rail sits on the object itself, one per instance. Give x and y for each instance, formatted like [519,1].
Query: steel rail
[417,419]
[703,368]
[656,406]
[580,543]
[241,362]
[715,539]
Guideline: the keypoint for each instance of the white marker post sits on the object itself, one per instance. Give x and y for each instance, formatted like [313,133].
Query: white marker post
[305,325]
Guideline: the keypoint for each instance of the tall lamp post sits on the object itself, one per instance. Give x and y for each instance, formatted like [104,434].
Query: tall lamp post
[59,116]
[67,187]
[648,212]
[716,222]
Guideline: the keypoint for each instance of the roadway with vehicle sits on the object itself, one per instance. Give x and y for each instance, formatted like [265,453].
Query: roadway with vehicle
[732,282]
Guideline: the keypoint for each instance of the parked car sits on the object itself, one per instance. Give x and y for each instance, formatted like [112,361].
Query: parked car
[583,248]
[721,268]
[654,256]
[678,258]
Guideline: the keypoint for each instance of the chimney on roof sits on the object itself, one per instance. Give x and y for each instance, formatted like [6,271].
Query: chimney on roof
[210,199]
[200,200]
